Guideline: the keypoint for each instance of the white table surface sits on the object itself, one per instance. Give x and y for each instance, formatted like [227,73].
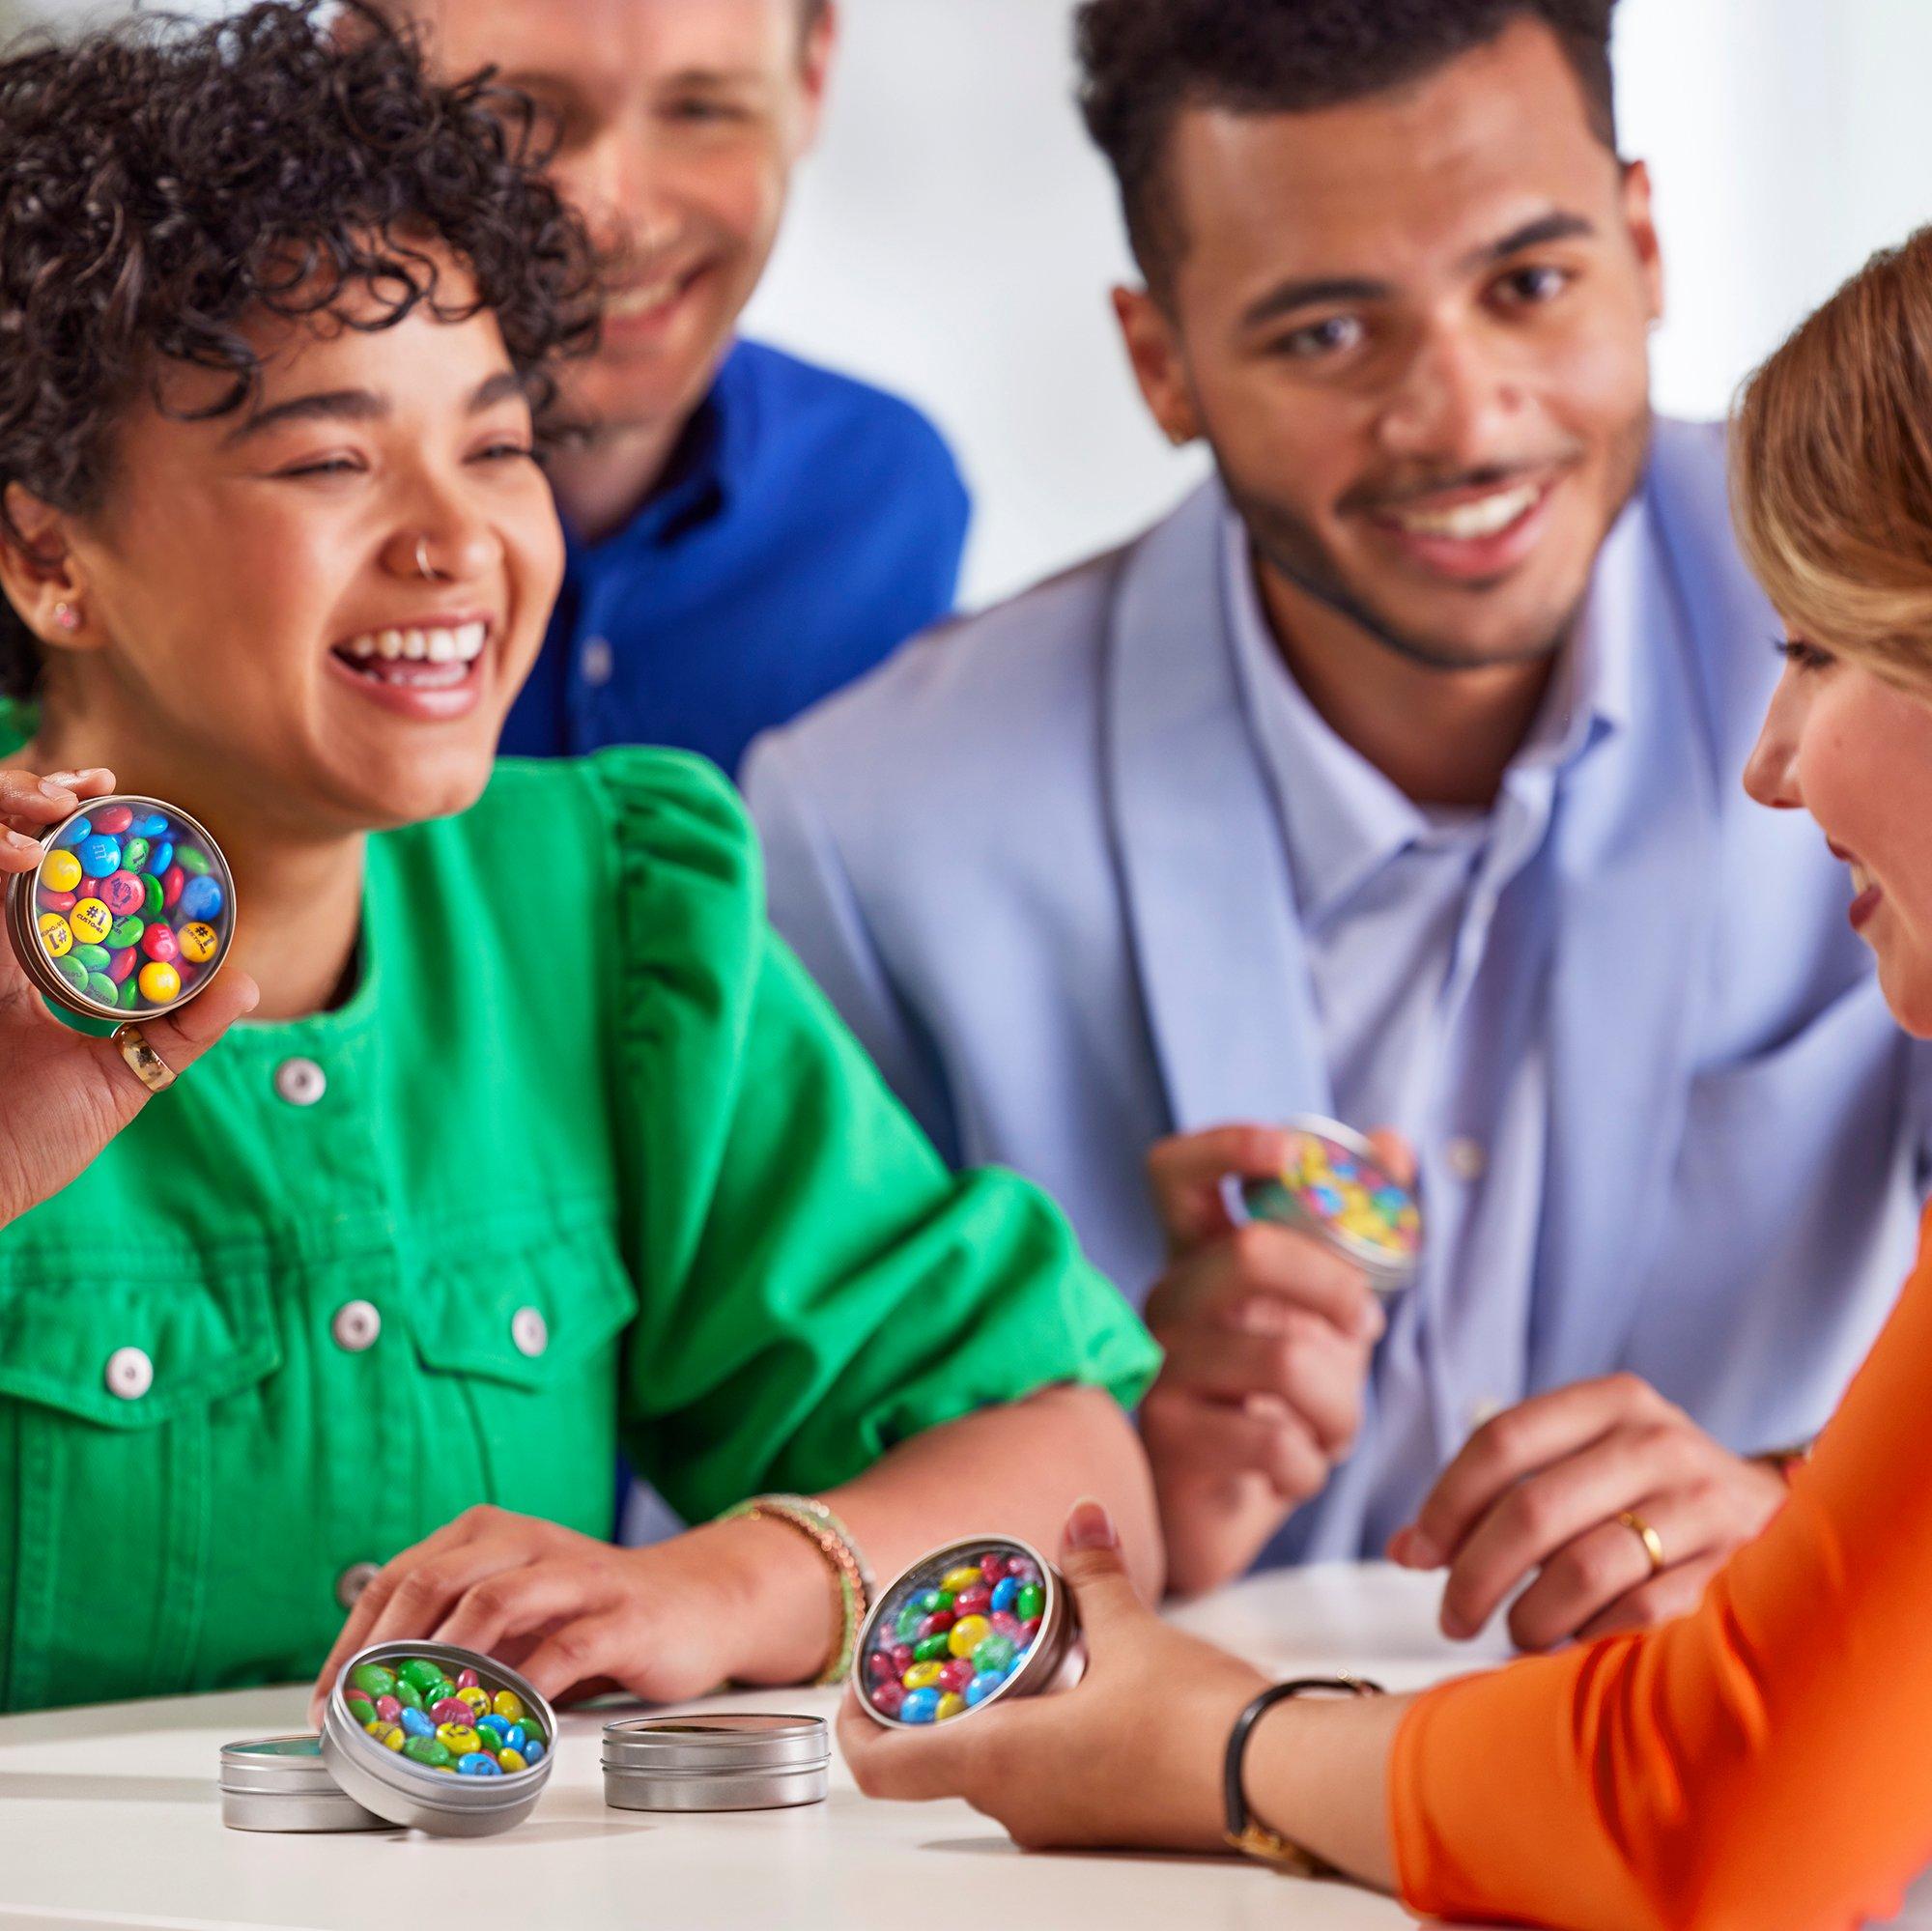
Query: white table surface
[109,1816]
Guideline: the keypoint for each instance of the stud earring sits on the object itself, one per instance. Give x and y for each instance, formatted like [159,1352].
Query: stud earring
[66,617]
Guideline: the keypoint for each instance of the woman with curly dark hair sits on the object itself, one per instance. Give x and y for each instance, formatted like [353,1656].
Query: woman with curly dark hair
[537,1141]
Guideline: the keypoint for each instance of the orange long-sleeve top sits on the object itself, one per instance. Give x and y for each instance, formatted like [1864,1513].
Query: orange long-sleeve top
[1766,1761]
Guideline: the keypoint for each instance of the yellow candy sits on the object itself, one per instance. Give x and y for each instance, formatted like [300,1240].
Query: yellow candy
[390,1735]
[957,1582]
[949,1705]
[199,944]
[967,1635]
[477,1699]
[511,1760]
[507,1703]
[56,935]
[158,983]
[92,922]
[923,1675]
[61,872]
[459,1739]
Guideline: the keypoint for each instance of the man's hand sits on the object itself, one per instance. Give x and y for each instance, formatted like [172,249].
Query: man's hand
[1538,1492]
[1268,1335]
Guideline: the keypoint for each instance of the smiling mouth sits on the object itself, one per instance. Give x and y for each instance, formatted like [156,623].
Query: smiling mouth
[643,301]
[1473,521]
[433,658]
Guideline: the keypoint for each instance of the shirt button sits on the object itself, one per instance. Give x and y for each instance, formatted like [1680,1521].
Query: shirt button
[596,663]
[355,1326]
[529,1331]
[300,1082]
[1468,1158]
[129,1373]
[351,1583]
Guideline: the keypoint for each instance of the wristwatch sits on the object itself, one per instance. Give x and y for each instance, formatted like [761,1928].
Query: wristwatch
[1243,1833]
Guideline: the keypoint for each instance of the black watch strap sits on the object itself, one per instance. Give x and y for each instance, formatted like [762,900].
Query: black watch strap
[1243,1832]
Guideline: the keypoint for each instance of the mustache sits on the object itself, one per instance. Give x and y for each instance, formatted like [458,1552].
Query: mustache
[1383,495]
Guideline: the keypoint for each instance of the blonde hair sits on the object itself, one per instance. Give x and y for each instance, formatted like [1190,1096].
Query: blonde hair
[1831,469]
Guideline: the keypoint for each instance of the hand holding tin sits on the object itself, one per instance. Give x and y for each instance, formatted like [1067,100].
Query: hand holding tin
[64,1095]
[1269,1332]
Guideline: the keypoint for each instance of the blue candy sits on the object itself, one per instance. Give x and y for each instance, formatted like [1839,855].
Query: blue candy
[499,1724]
[534,1752]
[921,1706]
[1004,1592]
[200,900]
[159,859]
[99,855]
[983,1687]
[74,834]
[151,827]
[515,1737]
[417,1724]
[477,1764]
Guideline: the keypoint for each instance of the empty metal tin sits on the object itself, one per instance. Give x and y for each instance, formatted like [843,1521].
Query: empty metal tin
[281,1783]
[404,1791]
[728,1761]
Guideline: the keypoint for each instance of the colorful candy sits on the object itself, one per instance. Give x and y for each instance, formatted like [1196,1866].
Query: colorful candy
[1334,1186]
[477,1729]
[124,888]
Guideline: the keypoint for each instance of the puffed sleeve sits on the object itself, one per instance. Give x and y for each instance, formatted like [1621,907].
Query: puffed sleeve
[814,1285]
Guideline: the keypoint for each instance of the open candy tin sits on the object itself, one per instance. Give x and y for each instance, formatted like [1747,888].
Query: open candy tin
[975,1621]
[129,915]
[414,1760]
[1336,1188]
[725,1760]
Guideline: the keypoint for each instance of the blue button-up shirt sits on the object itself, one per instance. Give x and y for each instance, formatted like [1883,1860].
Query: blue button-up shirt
[806,526]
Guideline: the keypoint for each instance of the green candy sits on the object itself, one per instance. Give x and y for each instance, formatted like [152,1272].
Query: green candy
[930,1601]
[407,1696]
[134,854]
[428,1753]
[533,1731]
[373,1680]
[127,933]
[191,861]
[153,886]
[420,1673]
[93,957]
[931,1649]
[995,1654]
[908,1627]
[1027,1605]
[103,989]
[129,995]
[360,1708]
[72,971]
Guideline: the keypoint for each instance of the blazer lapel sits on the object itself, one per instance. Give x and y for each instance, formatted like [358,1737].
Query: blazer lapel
[1198,845]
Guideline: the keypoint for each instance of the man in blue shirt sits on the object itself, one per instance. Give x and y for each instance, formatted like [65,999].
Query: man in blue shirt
[748,532]
[1395,776]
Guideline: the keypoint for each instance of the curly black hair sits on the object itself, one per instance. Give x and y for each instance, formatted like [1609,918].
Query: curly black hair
[168,178]
[1144,61]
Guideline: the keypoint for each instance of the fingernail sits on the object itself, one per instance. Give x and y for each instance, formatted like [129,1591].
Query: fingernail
[1375,1323]
[1421,1552]
[1091,1527]
[57,786]
[1455,1627]
[21,843]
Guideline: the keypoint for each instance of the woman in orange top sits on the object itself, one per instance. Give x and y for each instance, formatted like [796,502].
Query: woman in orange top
[1764,1761]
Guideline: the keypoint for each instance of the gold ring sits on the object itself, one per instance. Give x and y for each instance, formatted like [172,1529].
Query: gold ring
[150,1068]
[1653,1545]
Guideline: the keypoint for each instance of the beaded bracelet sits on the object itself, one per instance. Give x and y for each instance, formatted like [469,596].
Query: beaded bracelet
[832,1540]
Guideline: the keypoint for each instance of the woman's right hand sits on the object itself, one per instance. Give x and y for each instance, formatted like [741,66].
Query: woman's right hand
[64,1095]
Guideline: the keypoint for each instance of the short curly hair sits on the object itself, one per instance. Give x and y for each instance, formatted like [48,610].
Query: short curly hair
[1144,61]
[168,178]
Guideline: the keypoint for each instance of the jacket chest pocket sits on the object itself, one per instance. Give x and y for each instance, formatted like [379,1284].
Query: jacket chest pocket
[121,1382]
[519,1360]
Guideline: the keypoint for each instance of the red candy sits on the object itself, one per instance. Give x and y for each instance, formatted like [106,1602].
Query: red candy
[1030,1630]
[160,945]
[879,1667]
[451,1710]
[887,1698]
[993,1568]
[57,901]
[388,1709]
[114,820]
[973,1603]
[465,1679]
[1006,1624]
[122,894]
[901,1656]
[956,1675]
[121,965]
[938,1622]
[172,881]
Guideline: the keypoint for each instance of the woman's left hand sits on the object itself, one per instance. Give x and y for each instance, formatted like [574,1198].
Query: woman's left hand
[1130,1758]
[577,1615]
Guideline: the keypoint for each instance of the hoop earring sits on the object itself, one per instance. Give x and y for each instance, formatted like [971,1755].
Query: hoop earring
[424,568]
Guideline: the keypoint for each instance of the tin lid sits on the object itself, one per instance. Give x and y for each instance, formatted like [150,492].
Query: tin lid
[1337,1187]
[279,1767]
[723,1744]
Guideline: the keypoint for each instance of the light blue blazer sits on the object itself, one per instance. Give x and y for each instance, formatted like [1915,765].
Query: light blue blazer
[1036,862]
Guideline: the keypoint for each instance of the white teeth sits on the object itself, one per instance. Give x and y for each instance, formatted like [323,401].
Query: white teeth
[441,647]
[1862,880]
[459,645]
[469,640]
[641,301]
[1469,523]
[390,643]
[416,646]
[363,646]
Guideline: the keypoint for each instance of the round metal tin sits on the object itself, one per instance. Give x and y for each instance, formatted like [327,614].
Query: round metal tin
[38,911]
[728,1760]
[404,1792]
[1056,1661]
[1386,1238]
[281,1783]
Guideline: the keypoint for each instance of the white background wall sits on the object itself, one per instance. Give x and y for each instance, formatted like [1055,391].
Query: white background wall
[956,237]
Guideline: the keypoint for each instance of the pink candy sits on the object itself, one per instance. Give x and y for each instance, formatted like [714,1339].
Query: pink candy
[465,1679]
[451,1710]
[388,1709]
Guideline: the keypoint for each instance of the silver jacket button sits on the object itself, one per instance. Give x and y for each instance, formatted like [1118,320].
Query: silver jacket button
[129,1373]
[300,1082]
[356,1326]
[529,1331]
[351,1583]
[1468,1158]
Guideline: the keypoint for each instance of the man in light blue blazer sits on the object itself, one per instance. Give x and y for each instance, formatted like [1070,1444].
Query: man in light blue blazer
[1394,776]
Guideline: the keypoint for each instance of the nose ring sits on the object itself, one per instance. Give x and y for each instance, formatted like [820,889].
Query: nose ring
[424,568]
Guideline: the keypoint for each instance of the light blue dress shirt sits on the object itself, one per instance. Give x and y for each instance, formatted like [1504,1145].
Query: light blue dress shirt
[1080,875]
